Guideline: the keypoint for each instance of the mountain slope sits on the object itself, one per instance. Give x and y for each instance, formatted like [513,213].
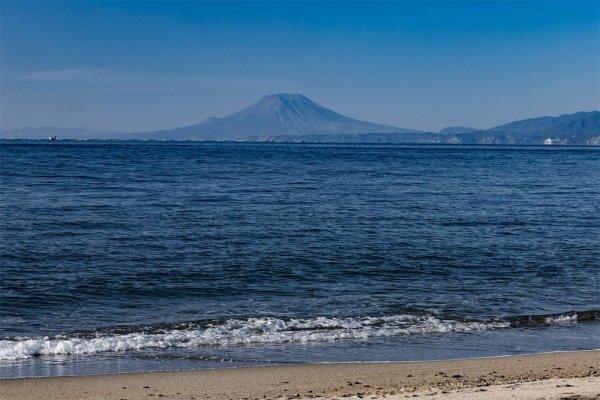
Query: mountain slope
[279,114]
[582,128]
[567,124]
[451,130]
[575,129]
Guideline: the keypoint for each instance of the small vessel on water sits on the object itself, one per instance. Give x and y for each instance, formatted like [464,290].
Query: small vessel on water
[53,138]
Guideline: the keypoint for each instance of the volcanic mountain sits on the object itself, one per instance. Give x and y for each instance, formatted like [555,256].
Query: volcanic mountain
[273,115]
[295,118]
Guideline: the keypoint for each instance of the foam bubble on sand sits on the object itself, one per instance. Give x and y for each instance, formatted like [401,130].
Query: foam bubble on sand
[242,331]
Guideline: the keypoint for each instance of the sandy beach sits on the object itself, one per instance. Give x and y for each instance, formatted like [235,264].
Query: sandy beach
[565,375]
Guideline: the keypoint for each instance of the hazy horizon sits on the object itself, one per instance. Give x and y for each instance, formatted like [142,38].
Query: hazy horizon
[90,128]
[149,66]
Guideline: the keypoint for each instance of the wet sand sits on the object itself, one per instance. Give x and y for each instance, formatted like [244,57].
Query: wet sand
[553,375]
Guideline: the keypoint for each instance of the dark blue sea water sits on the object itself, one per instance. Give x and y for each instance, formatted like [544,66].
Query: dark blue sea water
[125,256]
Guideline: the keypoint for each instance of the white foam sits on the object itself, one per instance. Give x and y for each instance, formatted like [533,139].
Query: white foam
[250,331]
[561,319]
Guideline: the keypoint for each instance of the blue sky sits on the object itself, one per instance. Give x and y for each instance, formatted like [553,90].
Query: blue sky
[423,65]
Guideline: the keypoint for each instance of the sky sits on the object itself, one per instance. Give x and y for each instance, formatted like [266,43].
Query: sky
[139,66]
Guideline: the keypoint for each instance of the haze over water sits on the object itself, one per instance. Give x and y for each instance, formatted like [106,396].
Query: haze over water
[135,256]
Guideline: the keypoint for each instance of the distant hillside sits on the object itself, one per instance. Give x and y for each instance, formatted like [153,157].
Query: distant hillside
[279,114]
[453,130]
[582,128]
[563,125]
[576,129]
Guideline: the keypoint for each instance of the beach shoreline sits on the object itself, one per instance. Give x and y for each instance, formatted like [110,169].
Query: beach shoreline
[549,373]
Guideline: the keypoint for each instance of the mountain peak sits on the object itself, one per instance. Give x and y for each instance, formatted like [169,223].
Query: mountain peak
[277,114]
[285,96]
[286,100]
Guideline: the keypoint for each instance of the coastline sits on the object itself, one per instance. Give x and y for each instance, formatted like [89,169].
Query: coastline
[556,374]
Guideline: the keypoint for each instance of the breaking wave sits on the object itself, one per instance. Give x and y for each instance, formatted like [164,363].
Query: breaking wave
[238,331]
[260,330]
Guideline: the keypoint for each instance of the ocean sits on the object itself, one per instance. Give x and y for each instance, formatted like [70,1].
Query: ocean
[139,256]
